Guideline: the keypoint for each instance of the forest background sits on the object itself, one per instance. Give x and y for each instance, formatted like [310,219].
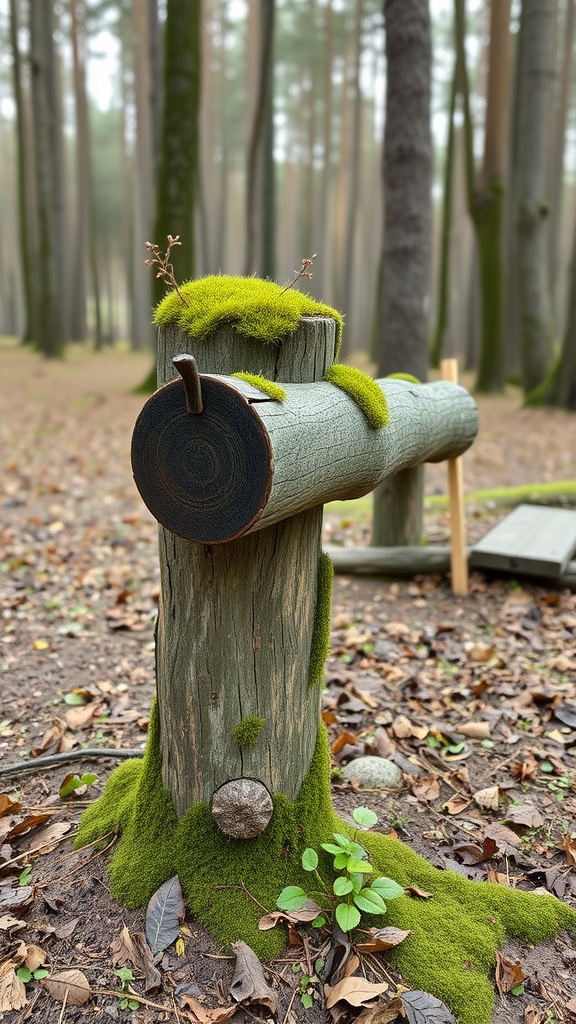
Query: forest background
[274,117]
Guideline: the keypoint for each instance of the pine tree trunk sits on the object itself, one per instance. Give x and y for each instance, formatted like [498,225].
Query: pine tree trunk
[537,78]
[403,318]
[235,620]
[25,193]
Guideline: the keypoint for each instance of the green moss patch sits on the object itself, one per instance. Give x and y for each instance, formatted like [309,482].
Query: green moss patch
[258,309]
[451,950]
[268,387]
[247,731]
[403,376]
[363,389]
[320,646]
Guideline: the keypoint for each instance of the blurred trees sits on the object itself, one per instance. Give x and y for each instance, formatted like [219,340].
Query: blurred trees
[292,124]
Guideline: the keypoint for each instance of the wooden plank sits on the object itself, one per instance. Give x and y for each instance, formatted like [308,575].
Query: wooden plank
[533,539]
[449,370]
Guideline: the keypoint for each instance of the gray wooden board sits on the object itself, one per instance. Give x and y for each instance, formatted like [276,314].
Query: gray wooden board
[533,539]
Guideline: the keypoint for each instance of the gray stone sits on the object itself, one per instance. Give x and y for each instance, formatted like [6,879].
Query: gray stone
[373,773]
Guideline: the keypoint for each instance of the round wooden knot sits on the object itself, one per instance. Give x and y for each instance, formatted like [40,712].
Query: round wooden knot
[205,477]
[242,808]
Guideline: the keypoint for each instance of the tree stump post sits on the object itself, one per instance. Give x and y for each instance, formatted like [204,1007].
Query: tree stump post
[235,620]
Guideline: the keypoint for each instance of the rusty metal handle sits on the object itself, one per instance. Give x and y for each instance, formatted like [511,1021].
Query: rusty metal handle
[188,370]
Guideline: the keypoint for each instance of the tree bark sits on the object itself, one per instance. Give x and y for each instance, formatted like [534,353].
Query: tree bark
[235,620]
[26,198]
[563,390]
[537,79]
[50,301]
[260,191]
[407,183]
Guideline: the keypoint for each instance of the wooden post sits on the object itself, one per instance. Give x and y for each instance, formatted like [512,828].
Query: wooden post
[449,370]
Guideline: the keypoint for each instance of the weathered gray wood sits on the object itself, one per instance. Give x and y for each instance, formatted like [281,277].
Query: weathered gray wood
[532,539]
[389,561]
[397,514]
[319,448]
[235,620]
[415,561]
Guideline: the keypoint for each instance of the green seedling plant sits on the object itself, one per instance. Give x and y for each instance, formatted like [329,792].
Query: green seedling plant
[125,976]
[26,975]
[349,897]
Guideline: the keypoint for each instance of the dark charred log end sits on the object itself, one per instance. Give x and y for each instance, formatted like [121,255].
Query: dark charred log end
[242,808]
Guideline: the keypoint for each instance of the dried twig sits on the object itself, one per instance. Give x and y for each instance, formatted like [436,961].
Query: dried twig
[303,272]
[162,261]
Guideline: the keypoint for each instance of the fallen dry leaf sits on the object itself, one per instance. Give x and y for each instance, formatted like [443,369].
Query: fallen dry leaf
[456,804]
[344,739]
[12,992]
[423,1008]
[248,984]
[9,804]
[509,973]
[72,985]
[382,1013]
[571,1005]
[131,948]
[30,821]
[354,990]
[164,913]
[35,956]
[305,915]
[48,838]
[7,923]
[204,1015]
[487,798]
[475,730]
[382,939]
[412,890]
[427,789]
[472,853]
[525,814]
[569,847]
[532,1015]
[50,741]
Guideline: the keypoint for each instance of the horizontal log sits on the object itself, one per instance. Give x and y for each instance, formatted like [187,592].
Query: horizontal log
[417,561]
[246,461]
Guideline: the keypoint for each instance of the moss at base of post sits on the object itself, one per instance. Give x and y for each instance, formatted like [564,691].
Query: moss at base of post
[454,934]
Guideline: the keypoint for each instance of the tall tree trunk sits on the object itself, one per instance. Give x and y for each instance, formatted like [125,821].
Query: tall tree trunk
[486,194]
[25,192]
[563,390]
[260,199]
[557,149]
[512,347]
[142,178]
[537,80]
[354,155]
[442,314]
[322,223]
[50,301]
[407,180]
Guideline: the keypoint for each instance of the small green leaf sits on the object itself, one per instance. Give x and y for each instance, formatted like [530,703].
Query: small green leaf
[306,1000]
[24,974]
[319,921]
[74,699]
[291,898]
[132,1004]
[309,860]
[342,841]
[348,917]
[125,974]
[71,783]
[519,990]
[455,748]
[342,886]
[387,888]
[546,766]
[357,881]
[364,816]
[40,973]
[331,848]
[24,876]
[355,865]
[341,861]
[370,902]
[88,779]
[488,744]
[123,1003]
[318,966]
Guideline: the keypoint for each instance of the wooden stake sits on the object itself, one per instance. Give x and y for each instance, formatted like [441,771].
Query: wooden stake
[449,370]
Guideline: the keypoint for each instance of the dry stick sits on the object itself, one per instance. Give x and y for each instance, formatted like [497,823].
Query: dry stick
[64,1001]
[78,867]
[69,755]
[290,1004]
[37,849]
[449,369]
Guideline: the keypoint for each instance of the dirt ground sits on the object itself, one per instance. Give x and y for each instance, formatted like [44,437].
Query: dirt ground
[411,668]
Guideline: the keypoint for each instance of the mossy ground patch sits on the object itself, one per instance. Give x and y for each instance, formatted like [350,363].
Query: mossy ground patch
[454,934]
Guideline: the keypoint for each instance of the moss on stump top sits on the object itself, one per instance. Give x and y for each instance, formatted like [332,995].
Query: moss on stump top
[261,310]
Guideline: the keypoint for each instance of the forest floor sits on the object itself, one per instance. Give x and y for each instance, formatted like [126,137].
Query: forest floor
[410,670]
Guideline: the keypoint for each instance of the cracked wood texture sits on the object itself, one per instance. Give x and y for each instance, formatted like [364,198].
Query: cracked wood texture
[235,620]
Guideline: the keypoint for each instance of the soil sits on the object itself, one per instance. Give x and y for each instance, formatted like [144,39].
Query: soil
[410,664]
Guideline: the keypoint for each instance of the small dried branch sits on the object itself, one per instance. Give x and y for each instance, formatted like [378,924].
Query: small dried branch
[162,261]
[303,272]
